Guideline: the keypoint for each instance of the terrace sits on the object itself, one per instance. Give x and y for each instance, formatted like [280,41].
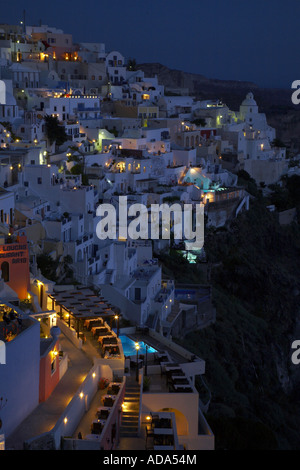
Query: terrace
[12,322]
[85,316]
[166,377]
[161,432]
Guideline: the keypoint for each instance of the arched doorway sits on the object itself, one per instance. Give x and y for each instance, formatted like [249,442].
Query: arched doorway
[182,424]
[79,255]
[5,271]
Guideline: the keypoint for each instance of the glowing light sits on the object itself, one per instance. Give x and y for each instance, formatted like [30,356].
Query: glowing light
[66,420]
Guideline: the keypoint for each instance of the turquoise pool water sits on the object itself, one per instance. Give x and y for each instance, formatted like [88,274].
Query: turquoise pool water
[129,346]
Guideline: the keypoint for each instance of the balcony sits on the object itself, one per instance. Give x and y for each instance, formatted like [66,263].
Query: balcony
[11,322]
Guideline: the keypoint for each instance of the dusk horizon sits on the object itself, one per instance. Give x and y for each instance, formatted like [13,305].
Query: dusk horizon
[226,41]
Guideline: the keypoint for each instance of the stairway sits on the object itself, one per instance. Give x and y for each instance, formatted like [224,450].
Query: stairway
[168,323]
[130,415]
[174,311]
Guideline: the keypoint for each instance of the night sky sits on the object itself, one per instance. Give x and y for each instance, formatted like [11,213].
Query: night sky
[233,40]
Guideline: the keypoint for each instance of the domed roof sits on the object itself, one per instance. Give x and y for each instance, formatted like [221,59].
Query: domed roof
[249,100]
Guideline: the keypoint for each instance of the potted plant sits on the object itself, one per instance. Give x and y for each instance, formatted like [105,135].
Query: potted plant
[103,383]
[146,383]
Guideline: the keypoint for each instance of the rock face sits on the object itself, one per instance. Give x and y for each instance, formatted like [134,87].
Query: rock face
[229,91]
[193,81]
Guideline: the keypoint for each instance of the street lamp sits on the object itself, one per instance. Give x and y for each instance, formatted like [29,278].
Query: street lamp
[137,347]
[117,319]
[146,359]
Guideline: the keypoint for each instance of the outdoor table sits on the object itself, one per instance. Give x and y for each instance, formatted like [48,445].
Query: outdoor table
[114,388]
[109,398]
[103,408]
[103,414]
[180,387]
[171,369]
[163,431]
[96,427]
[162,423]
[109,345]
[96,329]
[103,339]
[180,380]
[100,420]
[176,372]
[93,322]
[170,365]
[101,333]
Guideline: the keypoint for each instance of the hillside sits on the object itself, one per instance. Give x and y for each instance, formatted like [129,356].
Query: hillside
[255,402]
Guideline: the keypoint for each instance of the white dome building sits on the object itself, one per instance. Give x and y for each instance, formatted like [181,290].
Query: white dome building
[248,107]
[9,110]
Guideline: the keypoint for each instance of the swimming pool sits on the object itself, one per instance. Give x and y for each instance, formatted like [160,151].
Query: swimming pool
[129,346]
[185,293]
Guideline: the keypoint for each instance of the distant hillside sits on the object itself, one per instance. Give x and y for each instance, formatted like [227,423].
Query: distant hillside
[276,103]
[197,84]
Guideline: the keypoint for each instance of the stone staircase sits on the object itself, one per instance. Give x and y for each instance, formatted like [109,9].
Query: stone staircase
[174,311]
[130,415]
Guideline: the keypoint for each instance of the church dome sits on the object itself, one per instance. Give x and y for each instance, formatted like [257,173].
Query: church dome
[249,100]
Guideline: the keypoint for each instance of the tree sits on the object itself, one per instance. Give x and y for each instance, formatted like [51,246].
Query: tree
[200,122]
[277,143]
[55,131]
[131,64]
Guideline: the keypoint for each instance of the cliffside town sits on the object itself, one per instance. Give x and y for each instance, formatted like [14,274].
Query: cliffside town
[81,127]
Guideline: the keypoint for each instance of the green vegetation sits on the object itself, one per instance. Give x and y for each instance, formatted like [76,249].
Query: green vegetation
[55,131]
[58,270]
[131,64]
[78,169]
[200,122]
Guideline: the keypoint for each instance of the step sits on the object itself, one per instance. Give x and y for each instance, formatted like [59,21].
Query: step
[129,434]
[130,420]
[130,414]
[125,428]
[133,432]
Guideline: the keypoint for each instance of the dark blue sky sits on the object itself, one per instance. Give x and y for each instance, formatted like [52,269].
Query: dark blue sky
[227,39]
